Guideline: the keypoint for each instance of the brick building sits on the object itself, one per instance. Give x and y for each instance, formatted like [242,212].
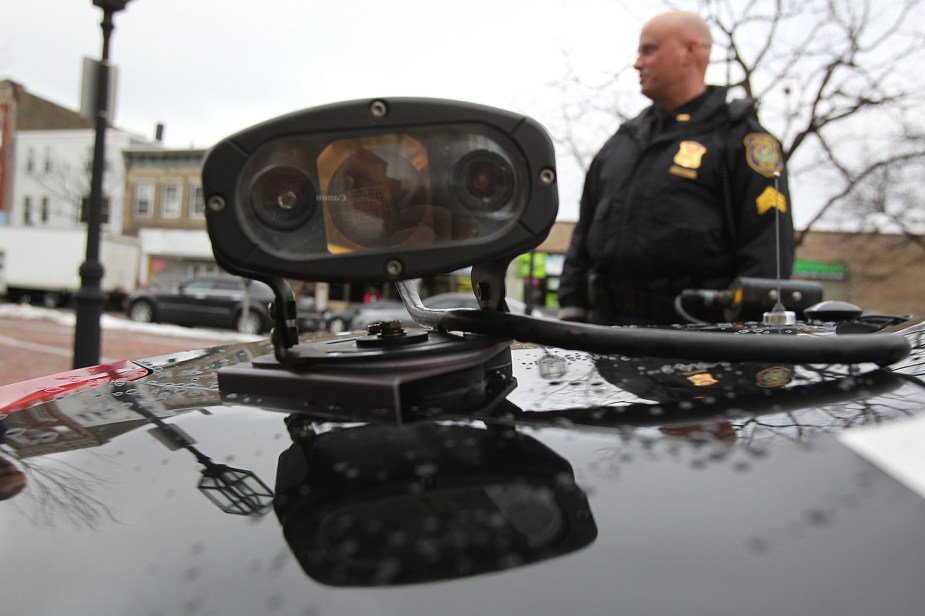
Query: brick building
[164,208]
[881,272]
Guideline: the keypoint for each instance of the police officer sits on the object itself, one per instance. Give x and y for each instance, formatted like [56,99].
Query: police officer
[682,196]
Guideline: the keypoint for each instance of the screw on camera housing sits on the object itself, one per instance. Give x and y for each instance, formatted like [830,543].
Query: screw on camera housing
[394,267]
[378,109]
[216,203]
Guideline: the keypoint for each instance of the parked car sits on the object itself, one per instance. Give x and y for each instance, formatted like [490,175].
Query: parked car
[214,301]
[371,313]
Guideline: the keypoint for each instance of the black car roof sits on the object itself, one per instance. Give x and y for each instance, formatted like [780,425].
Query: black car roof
[580,491]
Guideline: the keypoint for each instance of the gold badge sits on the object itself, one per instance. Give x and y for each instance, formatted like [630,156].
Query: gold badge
[690,154]
[775,376]
[770,199]
[701,378]
[683,117]
[762,152]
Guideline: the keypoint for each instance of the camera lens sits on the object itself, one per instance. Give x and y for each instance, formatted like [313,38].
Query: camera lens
[283,197]
[483,180]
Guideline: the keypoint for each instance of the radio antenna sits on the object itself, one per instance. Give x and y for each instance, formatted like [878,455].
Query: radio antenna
[778,315]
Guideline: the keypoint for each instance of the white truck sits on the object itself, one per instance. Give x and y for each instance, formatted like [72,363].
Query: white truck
[41,265]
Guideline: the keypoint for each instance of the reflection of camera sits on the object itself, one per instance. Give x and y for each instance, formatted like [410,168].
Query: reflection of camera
[390,194]
[379,505]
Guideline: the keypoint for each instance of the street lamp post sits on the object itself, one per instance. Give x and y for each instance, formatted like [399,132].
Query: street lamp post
[90,298]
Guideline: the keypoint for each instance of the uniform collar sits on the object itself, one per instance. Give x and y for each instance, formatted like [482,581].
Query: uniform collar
[654,123]
[695,110]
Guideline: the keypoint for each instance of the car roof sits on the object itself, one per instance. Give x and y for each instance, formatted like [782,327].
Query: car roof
[643,485]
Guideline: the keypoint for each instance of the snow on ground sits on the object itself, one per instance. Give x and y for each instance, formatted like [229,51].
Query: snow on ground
[110,322]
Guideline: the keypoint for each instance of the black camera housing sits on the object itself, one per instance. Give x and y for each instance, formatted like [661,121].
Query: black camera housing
[375,190]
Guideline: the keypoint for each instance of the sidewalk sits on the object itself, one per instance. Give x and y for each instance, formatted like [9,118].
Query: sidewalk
[36,341]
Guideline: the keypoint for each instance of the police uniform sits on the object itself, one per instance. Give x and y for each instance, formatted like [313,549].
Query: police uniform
[672,201]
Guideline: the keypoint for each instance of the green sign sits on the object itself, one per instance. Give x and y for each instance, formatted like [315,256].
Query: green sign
[539,265]
[820,269]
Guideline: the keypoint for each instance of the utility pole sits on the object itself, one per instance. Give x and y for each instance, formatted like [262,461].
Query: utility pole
[90,298]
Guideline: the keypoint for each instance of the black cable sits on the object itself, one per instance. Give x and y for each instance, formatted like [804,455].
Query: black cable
[681,312]
[706,297]
[882,349]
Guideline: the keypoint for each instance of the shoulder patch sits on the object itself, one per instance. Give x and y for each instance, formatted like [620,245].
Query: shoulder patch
[763,154]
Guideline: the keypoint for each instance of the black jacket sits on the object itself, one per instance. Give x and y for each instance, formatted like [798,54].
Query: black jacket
[655,208]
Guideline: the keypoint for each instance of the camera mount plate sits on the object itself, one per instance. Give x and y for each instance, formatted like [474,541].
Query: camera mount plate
[341,379]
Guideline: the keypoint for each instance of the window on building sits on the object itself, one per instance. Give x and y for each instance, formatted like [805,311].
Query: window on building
[197,206]
[46,209]
[48,158]
[143,200]
[170,200]
[27,211]
[30,160]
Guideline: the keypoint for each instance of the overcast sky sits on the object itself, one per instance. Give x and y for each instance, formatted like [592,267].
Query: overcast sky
[208,68]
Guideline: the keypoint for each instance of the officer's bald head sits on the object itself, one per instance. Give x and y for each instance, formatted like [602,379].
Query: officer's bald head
[674,51]
[687,28]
